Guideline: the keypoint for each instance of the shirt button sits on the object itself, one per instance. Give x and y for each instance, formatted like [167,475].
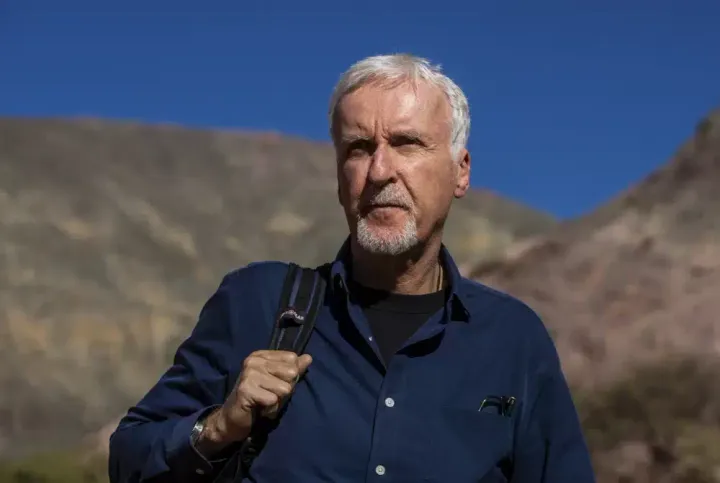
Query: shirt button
[380,470]
[200,471]
[389,402]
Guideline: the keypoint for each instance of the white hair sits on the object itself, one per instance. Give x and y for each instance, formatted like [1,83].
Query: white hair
[397,68]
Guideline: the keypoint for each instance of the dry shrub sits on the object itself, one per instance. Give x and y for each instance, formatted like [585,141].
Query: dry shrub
[70,466]
[660,423]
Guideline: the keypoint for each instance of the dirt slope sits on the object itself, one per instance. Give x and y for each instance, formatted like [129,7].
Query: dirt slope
[636,279]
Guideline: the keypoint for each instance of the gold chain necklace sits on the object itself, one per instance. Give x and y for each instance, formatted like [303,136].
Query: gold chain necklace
[439,283]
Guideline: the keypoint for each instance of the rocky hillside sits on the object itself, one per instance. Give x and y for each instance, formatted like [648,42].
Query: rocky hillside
[113,234]
[628,291]
[635,279]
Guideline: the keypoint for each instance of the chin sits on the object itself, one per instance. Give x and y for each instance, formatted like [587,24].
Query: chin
[386,240]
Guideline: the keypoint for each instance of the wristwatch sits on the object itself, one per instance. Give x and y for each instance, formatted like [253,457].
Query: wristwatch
[197,431]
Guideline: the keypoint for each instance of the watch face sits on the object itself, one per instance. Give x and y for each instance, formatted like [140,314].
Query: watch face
[196,431]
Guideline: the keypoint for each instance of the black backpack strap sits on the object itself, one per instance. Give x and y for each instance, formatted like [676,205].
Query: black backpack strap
[302,296]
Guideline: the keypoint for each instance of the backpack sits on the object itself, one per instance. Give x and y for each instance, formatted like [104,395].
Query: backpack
[302,295]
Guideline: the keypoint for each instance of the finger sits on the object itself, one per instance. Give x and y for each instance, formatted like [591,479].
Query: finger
[286,372]
[270,412]
[290,373]
[273,384]
[276,355]
[303,363]
[259,360]
[260,396]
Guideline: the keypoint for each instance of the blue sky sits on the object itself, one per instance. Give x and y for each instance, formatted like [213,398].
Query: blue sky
[572,101]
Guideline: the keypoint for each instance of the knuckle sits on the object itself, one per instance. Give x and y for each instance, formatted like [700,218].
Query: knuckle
[280,369]
[248,382]
[242,394]
[289,357]
[248,375]
[242,383]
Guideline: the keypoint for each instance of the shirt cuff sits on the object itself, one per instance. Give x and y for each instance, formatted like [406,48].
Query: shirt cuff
[181,450]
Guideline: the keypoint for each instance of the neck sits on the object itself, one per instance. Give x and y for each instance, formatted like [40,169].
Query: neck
[414,273]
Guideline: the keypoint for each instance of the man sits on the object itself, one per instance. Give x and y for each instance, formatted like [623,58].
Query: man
[411,372]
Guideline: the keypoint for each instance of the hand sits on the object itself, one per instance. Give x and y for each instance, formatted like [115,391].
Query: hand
[267,377]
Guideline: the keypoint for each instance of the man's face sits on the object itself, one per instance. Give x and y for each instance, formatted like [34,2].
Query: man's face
[396,175]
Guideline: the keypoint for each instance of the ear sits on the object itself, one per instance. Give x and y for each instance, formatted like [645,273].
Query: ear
[462,177]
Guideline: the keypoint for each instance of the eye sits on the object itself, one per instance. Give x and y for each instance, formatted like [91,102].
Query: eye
[405,140]
[359,147]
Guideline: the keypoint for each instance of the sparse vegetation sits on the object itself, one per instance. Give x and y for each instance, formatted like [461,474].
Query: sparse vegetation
[664,416]
[55,467]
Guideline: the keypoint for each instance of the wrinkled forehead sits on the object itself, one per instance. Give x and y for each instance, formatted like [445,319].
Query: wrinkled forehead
[384,106]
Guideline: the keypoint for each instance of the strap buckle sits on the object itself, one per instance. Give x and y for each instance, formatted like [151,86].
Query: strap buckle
[293,316]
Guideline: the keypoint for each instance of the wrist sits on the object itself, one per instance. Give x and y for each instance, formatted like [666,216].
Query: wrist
[206,438]
[214,434]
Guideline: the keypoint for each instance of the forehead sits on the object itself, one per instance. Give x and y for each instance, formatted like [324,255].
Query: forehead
[376,106]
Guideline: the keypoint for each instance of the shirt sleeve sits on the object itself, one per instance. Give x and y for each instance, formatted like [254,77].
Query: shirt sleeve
[152,441]
[551,447]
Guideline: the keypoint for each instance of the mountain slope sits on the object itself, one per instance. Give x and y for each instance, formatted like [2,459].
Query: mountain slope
[113,234]
[638,278]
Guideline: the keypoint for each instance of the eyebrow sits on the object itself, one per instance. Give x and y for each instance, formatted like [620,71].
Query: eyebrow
[351,138]
[409,133]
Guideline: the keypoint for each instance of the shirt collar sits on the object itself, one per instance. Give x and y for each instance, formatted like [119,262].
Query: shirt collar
[457,302]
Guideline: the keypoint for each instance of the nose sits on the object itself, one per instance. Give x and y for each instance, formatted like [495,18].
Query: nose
[382,168]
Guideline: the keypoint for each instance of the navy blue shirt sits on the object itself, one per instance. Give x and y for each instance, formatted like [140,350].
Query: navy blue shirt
[353,420]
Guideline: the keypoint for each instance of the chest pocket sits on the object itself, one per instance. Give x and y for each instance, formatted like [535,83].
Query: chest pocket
[478,444]
[459,445]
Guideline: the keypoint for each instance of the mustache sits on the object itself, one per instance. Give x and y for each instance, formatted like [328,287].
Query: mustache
[390,195]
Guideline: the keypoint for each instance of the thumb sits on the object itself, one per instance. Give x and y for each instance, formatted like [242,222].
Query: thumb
[303,363]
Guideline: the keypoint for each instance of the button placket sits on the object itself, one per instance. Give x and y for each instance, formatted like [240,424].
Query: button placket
[385,441]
